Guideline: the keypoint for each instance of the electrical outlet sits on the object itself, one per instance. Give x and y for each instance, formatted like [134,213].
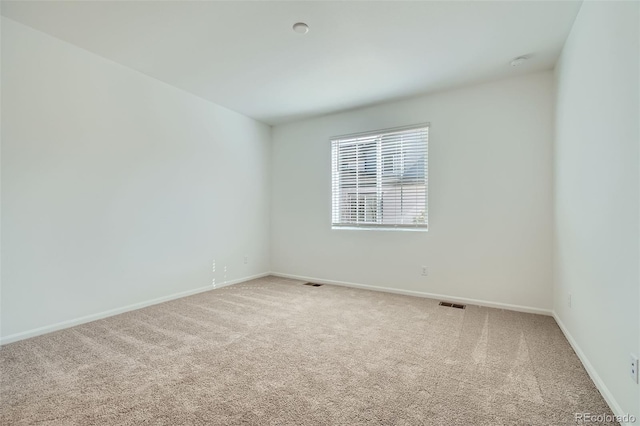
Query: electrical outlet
[425,271]
[633,367]
[569,300]
[246,260]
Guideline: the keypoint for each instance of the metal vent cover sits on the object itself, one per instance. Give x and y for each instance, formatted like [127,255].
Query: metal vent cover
[452,305]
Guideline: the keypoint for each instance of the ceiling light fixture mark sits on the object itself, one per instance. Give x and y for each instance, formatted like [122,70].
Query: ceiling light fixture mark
[516,62]
[300,28]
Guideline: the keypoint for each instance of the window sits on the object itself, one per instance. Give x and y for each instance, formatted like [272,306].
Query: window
[379,179]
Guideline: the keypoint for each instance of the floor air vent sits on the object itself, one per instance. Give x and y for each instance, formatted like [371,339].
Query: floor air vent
[314,284]
[452,305]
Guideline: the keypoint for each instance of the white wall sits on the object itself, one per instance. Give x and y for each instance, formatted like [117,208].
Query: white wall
[117,188]
[490,197]
[1,21]
[596,187]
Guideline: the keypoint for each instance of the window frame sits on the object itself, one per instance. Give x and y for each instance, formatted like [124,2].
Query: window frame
[376,135]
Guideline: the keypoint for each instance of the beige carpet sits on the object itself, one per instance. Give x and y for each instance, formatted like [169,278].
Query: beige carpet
[275,352]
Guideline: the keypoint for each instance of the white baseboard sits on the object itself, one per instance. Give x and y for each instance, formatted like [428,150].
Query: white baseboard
[595,377]
[111,312]
[464,300]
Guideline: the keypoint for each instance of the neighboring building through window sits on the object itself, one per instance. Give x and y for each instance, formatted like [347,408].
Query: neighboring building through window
[380,179]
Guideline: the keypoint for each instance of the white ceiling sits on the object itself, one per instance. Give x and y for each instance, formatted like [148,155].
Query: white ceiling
[246,57]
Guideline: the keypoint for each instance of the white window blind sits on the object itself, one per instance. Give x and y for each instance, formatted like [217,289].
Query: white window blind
[380,179]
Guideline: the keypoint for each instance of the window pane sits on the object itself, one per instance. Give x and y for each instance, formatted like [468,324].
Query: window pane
[380,179]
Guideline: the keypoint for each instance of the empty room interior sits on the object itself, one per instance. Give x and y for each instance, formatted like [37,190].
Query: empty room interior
[320,212]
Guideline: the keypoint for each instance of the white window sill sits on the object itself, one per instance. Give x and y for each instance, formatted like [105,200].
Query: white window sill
[379,228]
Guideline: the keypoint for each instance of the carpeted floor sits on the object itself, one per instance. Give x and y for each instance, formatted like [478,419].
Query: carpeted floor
[275,352]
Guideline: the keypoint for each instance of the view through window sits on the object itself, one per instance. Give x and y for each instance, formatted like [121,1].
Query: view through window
[380,179]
